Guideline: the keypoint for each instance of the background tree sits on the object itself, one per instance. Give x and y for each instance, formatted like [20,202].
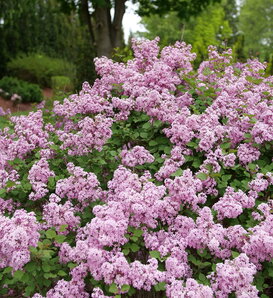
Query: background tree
[168,27]
[106,31]
[39,26]
[210,27]
[256,22]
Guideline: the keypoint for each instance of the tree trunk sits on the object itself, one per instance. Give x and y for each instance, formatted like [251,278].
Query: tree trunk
[105,35]
[86,19]
[103,26]
[117,32]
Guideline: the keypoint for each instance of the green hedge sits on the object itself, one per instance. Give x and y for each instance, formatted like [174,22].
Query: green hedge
[37,68]
[27,91]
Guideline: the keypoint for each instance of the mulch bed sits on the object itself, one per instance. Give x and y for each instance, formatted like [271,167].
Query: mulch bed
[7,104]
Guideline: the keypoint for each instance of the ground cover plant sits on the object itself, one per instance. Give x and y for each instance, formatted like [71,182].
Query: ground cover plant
[154,182]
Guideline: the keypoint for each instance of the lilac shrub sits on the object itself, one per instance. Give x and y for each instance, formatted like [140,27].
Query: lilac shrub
[156,181]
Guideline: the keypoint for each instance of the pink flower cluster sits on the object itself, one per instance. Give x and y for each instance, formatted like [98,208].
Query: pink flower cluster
[232,203]
[72,288]
[186,189]
[91,133]
[81,185]
[138,155]
[57,215]
[171,165]
[191,289]
[38,177]
[234,276]
[17,235]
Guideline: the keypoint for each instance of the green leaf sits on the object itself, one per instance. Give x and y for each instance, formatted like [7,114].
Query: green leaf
[203,265]
[146,125]
[26,186]
[202,277]
[50,275]
[251,166]
[31,266]
[46,267]
[62,273]
[18,274]
[50,234]
[155,254]
[160,286]
[51,182]
[60,238]
[202,176]
[235,254]
[270,272]
[177,173]
[113,288]
[225,145]
[138,232]
[7,270]
[46,242]
[46,254]
[134,238]
[126,251]
[153,143]
[247,135]
[134,247]
[192,145]
[144,135]
[196,163]
[63,228]
[71,265]
[125,288]
[29,290]
[226,177]
[193,260]
[10,183]
[202,253]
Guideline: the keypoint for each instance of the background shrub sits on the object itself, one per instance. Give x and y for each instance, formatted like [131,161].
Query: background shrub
[61,83]
[27,91]
[39,68]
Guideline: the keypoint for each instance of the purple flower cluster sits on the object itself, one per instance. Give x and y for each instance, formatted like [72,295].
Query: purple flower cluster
[56,215]
[91,133]
[38,177]
[138,155]
[17,235]
[81,185]
[234,276]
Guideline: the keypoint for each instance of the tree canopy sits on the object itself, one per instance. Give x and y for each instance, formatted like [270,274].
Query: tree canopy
[106,32]
[256,23]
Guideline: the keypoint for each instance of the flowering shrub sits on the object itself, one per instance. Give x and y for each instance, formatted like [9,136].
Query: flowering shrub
[155,181]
